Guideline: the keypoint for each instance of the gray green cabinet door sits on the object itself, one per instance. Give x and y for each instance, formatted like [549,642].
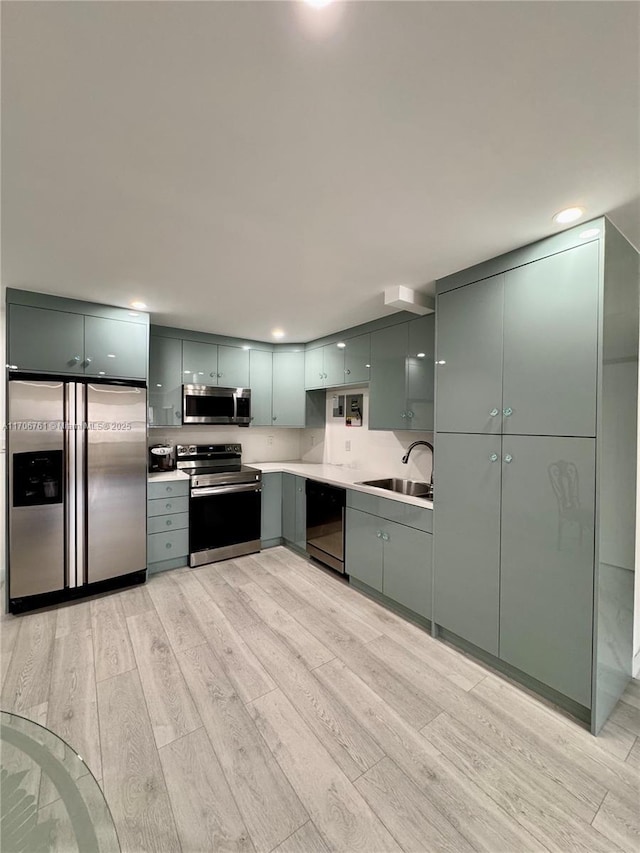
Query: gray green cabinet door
[387,386]
[469,358]
[546,590]
[199,363]
[407,571]
[233,367]
[333,360]
[261,384]
[551,345]
[165,381]
[420,373]
[314,368]
[466,537]
[44,340]
[271,507]
[288,389]
[357,358]
[363,547]
[300,531]
[289,507]
[115,348]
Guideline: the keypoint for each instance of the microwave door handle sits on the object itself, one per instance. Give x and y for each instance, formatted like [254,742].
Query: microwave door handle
[225,490]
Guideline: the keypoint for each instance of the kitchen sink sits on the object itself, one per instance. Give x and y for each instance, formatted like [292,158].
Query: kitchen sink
[402,487]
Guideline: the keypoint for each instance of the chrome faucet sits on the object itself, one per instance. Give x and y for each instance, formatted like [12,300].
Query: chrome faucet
[405,458]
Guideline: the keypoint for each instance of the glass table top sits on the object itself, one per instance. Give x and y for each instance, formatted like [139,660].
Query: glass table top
[49,800]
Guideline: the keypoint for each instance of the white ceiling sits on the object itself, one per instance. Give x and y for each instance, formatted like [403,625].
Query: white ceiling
[243,165]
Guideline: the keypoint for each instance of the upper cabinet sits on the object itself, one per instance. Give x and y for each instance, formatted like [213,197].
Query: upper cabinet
[55,340]
[165,381]
[517,352]
[402,379]
[342,363]
[289,400]
[214,364]
[261,384]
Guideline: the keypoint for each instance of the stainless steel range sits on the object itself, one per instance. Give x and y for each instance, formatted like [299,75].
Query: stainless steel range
[224,502]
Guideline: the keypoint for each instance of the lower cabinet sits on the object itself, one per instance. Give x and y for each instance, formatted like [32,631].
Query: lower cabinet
[514,552]
[167,525]
[294,510]
[271,508]
[391,558]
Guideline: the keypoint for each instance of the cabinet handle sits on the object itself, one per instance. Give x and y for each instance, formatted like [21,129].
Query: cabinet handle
[493,457]
[403,414]
[325,376]
[385,537]
[320,375]
[274,418]
[379,534]
[410,414]
[169,522]
[219,376]
[76,358]
[508,458]
[168,545]
[493,412]
[88,360]
[347,372]
[169,488]
[178,414]
[507,412]
[212,375]
[167,506]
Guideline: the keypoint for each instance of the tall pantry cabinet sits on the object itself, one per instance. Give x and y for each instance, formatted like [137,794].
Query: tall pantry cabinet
[536,415]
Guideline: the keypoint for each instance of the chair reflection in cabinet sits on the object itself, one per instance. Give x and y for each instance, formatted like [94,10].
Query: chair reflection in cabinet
[566,486]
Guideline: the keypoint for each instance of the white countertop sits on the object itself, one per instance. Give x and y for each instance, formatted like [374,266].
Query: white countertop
[162,476]
[335,475]
[338,475]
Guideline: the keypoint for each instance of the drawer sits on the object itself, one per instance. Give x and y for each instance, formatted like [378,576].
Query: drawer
[165,506]
[165,523]
[403,513]
[166,546]
[168,489]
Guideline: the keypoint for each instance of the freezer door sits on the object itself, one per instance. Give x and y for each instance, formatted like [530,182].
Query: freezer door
[36,487]
[116,465]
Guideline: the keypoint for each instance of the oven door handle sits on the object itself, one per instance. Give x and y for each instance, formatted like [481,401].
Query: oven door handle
[207,491]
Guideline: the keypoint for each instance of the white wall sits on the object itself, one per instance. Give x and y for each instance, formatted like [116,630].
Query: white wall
[259,444]
[373,451]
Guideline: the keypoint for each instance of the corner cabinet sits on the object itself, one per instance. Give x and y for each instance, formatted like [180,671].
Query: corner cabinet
[57,340]
[533,553]
[402,376]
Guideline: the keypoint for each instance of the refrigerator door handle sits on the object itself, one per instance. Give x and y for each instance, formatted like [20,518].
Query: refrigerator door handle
[69,441]
[80,433]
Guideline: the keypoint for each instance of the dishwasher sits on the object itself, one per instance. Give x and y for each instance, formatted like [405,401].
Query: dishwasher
[325,524]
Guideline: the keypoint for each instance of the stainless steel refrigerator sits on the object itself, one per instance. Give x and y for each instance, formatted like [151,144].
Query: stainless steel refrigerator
[77,463]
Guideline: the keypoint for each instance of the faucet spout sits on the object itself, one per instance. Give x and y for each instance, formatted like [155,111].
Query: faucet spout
[405,458]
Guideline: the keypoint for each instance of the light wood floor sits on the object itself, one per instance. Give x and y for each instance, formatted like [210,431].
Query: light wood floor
[263,705]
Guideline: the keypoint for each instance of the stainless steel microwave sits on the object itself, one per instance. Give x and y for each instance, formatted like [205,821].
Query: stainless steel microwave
[209,404]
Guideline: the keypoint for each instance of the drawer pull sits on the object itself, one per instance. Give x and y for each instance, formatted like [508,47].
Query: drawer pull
[169,522]
[168,506]
[168,545]
[169,488]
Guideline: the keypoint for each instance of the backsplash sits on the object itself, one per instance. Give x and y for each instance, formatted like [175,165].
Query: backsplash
[375,451]
[259,444]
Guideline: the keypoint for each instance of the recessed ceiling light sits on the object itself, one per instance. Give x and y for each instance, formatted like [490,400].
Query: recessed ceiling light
[341,345]
[139,306]
[318,4]
[589,233]
[421,355]
[277,333]
[133,314]
[569,214]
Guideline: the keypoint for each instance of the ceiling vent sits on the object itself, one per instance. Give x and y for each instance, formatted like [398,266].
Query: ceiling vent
[406,299]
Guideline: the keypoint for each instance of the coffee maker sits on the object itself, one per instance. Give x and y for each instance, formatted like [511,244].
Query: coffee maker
[162,457]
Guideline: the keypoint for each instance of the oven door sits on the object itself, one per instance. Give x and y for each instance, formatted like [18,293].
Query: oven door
[224,522]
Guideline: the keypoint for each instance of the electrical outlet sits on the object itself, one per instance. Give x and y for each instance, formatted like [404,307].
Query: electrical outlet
[347,446]
[269,441]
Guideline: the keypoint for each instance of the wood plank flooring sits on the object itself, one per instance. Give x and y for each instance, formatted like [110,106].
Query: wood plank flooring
[263,705]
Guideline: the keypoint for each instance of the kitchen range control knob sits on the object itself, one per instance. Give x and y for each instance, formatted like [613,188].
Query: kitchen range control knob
[181,450]
[193,448]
